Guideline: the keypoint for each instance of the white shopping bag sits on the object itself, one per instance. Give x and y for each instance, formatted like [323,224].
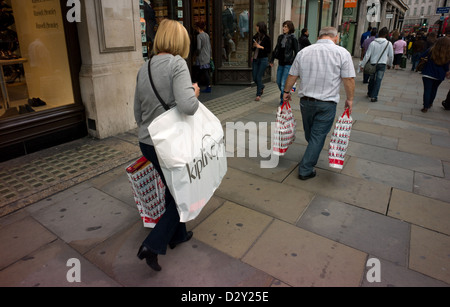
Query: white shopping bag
[148,190]
[191,152]
[284,134]
[339,140]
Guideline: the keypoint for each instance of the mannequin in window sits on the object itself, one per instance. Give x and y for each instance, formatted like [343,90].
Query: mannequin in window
[243,24]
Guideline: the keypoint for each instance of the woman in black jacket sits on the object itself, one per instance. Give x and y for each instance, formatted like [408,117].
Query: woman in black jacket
[285,52]
[261,49]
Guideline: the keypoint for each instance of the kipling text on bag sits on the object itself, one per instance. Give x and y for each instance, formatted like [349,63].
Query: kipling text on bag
[191,153]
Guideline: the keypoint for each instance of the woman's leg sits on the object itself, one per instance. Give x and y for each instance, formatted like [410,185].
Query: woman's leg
[169,229]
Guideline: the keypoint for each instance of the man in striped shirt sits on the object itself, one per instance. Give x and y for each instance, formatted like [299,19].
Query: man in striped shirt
[322,68]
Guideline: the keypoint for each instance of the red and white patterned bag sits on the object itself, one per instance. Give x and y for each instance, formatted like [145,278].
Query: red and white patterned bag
[339,140]
[148,191]
[284,134]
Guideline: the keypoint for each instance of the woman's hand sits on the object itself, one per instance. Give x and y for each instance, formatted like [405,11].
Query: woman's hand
[196,89]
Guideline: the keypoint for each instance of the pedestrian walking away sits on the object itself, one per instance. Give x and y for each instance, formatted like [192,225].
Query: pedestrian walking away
[365,46]
[399,50]
[203,57]
[172,79]
[285,52]
[321,69]
[418,47]
[381,54]
[435,71]
[303,40]
[261,48]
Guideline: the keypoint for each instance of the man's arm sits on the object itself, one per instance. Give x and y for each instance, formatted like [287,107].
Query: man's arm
[290,81]
[349,85]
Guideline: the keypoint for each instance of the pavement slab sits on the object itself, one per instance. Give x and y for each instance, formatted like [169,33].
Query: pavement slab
[430,253]
[433,187]
[389,175]
[394,275]
[362,193]
[276,199]
[301,258]
[191,264]
[420,210]
[49,266]
[87,218]
[232,229]
[415,162]
[20,238]
[370,232]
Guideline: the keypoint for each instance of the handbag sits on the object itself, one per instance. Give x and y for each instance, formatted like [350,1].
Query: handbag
[284,134]
[370,69]
[339,140]
[148,191]
[191,153]
[423,61]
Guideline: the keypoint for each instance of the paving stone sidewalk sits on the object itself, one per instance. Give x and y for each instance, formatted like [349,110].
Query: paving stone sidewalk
[264,227]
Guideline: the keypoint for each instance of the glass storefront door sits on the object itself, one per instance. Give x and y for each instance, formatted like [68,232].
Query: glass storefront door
[313,15]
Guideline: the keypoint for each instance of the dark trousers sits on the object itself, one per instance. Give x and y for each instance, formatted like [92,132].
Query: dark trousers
[318,117]
[169,229]
[430,88]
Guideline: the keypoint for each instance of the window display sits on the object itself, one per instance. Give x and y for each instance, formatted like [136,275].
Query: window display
[35,72]
[235,27]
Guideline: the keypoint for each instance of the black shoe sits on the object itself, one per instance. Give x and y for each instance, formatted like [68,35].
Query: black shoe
[29,108]
[150,257]
[188,237]
[312,175]
[22,109]
[373,100]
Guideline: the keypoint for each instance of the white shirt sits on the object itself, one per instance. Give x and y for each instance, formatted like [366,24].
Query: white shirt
[376,49]
[321,68]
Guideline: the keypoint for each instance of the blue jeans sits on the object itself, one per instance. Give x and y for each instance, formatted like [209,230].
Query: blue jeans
[415,60]
[375,81]
[318,118]
[430,88]
[169,229]
[282,74]
[259,67]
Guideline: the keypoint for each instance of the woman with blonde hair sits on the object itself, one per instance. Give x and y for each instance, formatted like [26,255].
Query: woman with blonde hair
[172,81]
[436,70]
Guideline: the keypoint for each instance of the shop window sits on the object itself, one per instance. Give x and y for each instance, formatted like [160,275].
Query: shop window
[35,72]
[235,33]
[151,15]
[298,15]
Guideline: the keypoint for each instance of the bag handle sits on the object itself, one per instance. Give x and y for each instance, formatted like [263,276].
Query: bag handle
[347,111]
[383,51]
[286,104]
[165,106]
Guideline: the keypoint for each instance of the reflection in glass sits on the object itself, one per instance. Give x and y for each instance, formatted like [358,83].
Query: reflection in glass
[235,33]
[35,64]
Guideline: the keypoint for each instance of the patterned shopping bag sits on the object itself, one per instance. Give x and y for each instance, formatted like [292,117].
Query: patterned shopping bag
[284,134]
[339,140]
[148,191]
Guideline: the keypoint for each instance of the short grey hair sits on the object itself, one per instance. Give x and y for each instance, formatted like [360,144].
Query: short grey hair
[328,31]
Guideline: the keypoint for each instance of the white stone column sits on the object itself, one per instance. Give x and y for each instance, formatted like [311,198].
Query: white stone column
[111,52]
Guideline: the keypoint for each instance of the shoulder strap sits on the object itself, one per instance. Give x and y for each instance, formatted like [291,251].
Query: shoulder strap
[165,106]
[383,52]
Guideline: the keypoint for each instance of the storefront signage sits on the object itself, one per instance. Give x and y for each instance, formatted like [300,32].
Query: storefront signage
[443,10]
[373,11]
[350,3]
